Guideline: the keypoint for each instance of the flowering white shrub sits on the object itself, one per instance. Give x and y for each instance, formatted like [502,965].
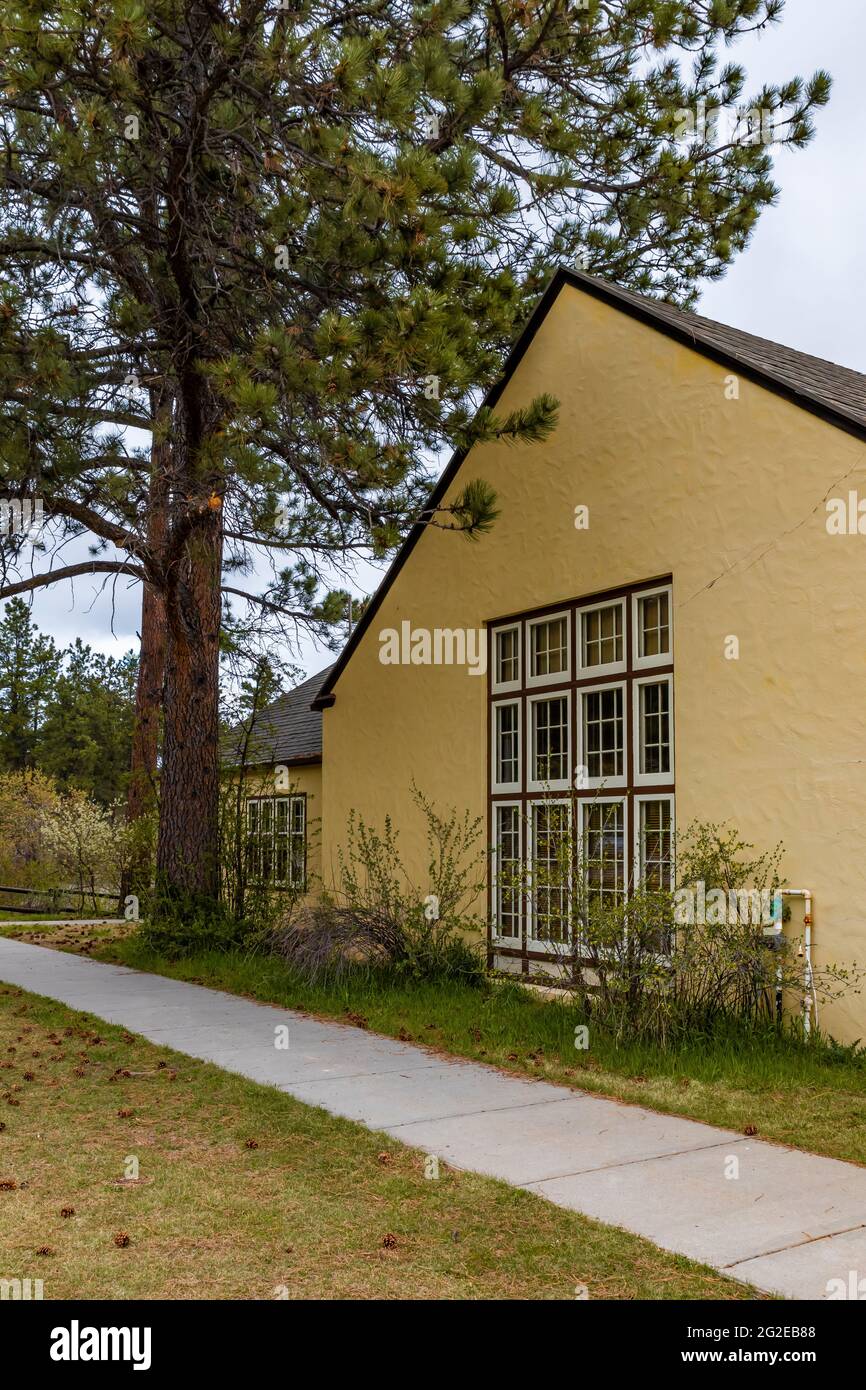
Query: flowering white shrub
[25,797]
[89,843]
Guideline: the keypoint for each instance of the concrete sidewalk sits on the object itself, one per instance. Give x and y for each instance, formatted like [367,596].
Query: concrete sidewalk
[788,1222]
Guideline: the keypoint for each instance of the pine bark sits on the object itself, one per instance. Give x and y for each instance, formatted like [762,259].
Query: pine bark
[188,846]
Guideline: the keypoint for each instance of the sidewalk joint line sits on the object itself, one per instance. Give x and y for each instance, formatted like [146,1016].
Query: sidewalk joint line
[630,1162]
[796,1245]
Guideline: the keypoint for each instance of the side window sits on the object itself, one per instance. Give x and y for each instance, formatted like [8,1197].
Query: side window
[277,840]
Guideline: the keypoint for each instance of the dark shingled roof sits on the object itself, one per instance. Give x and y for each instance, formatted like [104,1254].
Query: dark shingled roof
[288,731]
[836,394]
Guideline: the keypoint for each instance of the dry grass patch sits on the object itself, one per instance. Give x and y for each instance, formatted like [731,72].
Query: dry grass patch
[173,1201]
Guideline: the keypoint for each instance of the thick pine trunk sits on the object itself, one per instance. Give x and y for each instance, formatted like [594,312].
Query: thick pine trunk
[187,854]
[188,846]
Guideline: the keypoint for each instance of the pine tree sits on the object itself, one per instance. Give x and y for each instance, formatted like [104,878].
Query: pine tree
[291,240]
[29,665]
[86,732]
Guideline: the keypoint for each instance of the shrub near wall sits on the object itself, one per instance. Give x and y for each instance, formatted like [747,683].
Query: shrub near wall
[376,917]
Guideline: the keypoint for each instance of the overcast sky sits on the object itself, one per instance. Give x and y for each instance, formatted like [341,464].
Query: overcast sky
[801,282]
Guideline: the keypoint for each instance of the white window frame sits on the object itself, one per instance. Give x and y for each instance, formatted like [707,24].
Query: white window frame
[498,937]
[581,834]
[561,784]
[291,798]
[607,668]
[651,779]
[594,783]
[643,663]
[500,687]
[663,957]
[533,942]
[560,676]
[637,862]
[495,785]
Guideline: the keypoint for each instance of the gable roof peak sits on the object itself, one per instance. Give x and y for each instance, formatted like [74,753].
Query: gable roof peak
[836,394]
[814,380]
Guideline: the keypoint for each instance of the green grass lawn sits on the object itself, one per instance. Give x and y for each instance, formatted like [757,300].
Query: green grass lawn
[807,1097]
[242,1192]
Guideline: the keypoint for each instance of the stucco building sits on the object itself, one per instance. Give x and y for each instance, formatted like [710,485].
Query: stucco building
[675,599]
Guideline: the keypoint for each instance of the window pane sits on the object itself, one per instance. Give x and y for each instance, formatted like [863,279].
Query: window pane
[656,851]
[604,851]
[276,840]
[507,866]
[298,843]
[603,732]
[508,656]
[602,635]
[551,871]
[656,858]
[267,861]
[550,739]
[507,760]
[549,646]
[654,625]
[655,734]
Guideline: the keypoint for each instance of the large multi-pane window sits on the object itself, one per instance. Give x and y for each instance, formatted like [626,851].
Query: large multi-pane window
[277,840]
[582,762]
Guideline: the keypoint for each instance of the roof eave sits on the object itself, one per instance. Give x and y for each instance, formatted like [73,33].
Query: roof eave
[299,760]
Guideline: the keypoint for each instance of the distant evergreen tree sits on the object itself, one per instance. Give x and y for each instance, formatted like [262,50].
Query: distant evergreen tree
[86,734]
[29,666]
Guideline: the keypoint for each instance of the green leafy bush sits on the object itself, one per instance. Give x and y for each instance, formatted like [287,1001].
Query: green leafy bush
[642,968]
[178,926]
[377,918]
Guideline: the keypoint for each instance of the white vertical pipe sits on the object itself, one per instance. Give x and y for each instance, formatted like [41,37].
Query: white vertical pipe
[808,983]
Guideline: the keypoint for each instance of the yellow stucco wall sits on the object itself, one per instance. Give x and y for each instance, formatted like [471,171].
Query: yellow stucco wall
[728,496]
